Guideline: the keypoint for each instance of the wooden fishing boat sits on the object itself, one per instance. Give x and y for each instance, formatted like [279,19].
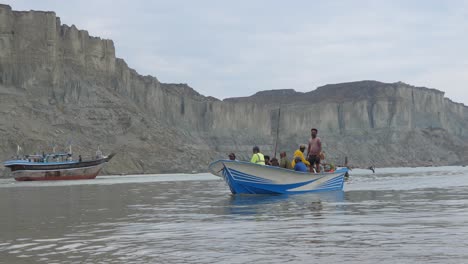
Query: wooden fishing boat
[55,166]
[249,178]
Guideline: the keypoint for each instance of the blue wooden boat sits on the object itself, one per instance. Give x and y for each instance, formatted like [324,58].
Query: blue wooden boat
[248,178]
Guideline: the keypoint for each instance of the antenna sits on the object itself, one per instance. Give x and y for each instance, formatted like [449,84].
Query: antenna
[98,152]
[69,143]
[18,150]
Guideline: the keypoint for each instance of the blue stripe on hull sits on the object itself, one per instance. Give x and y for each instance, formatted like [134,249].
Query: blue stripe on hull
[241,183]
[237,188]
[334,183]
[247,177]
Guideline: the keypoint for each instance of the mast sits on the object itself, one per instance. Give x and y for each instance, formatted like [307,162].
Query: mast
[277,130]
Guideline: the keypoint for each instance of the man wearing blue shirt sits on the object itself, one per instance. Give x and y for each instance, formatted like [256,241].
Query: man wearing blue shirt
[300,166]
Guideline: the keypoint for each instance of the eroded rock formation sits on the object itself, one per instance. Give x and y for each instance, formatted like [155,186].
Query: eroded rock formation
[58,84]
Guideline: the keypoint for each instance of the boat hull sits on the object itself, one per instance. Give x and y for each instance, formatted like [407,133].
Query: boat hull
[249,178]
[53,175]
[24,170]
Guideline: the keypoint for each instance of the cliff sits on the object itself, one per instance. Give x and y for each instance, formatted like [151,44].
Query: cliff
[60,85]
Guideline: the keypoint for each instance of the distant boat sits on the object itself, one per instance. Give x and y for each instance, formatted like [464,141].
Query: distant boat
[55,166]
[249,178]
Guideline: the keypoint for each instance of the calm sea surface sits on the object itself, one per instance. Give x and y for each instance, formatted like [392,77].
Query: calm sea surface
[397,215]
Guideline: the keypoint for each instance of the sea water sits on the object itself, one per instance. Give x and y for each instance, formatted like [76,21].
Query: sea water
[395,215]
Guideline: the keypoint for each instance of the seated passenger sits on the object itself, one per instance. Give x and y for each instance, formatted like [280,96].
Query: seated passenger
[284,161]
[274,162]
[300,153]
[257,157]
[267,160]
[300,166]
[232,156]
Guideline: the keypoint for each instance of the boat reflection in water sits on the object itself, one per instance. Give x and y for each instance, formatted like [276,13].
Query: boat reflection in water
[285,205]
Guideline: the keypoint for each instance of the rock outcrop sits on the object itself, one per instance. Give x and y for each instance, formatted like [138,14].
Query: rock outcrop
[60,85]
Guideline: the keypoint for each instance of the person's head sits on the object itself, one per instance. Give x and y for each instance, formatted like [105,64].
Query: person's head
[302,147]
[267,158]
[274,162]
[313,132]
[283,154]
[256,149]
[232,156]
[298,159]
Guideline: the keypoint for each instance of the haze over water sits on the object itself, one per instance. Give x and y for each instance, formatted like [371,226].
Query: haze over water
[397,215]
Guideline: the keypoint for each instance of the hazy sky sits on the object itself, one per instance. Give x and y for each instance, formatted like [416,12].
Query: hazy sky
[236,48]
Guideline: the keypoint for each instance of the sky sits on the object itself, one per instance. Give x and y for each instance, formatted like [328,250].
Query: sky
[237,48]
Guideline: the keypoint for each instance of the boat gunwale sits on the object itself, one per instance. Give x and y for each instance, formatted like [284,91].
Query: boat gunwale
[299,173]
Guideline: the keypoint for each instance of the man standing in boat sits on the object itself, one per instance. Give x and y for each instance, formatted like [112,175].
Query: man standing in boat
[257,157]
[313,150]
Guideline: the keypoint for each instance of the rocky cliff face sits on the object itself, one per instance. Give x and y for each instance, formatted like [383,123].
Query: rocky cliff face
[58,84]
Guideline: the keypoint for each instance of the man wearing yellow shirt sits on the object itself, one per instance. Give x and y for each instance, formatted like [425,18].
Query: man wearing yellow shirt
[300,153]
[257,157]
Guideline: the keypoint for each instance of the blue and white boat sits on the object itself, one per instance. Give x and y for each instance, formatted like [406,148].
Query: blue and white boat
[249,178]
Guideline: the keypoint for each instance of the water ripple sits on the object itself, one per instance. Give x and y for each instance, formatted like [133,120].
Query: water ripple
[391,216]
